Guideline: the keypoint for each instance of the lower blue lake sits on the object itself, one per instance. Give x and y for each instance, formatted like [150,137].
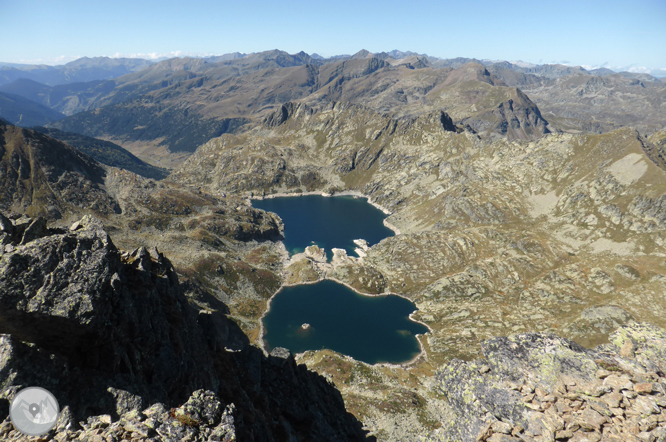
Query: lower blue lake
[328,315]
[329,222]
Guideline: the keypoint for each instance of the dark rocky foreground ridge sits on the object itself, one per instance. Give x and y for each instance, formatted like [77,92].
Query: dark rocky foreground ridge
[113,335]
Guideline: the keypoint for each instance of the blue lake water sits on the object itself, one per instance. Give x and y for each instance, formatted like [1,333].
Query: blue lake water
[372,329]
[329,222]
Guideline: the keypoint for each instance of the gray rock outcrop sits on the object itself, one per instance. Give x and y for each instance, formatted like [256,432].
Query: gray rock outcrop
[540,387]
[114,337]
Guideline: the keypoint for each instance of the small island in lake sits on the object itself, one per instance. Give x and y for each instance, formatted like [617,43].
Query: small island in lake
[371,329]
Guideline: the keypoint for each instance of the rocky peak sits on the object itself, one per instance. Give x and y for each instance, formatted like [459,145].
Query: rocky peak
[443,119]
[412,62]
[518,118]
[286,111]
[363,53]
[472,71]
[77,312]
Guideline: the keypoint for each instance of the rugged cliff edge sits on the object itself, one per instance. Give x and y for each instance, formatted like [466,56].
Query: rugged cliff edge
[115,337]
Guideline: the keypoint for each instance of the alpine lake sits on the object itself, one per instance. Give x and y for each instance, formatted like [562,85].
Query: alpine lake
[372,329]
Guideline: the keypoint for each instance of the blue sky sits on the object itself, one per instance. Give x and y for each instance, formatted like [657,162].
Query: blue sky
[591,33]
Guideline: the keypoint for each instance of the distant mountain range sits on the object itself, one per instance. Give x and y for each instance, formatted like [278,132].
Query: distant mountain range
[181,103]
[107,68]
[83,69]
[186,102]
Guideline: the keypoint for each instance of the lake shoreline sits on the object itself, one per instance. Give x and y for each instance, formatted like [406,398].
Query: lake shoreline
[422,355]
[353,193]
[412,361]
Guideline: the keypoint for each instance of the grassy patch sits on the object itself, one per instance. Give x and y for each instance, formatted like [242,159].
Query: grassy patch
[184,419]
[609,366]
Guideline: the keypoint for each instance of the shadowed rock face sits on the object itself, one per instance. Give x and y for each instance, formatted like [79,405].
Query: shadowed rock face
[110,333]
[518,118]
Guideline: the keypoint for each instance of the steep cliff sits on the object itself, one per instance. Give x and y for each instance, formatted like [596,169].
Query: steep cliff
[114,334]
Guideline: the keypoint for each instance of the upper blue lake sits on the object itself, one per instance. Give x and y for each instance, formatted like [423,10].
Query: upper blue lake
[372,329]
[329,222]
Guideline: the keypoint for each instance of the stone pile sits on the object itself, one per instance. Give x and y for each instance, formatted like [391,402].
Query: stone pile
[539,387]
[202,418]
[617,406]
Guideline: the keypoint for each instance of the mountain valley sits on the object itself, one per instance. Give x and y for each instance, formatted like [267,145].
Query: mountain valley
[531,206]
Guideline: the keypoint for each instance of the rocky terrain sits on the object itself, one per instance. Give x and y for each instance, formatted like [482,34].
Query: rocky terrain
[541,387]
[531,237]
[592,103]
[77,313]
[216,240]
[562,234]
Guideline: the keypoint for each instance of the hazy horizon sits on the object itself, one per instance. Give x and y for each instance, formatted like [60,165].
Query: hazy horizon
[161,57]
[591,34]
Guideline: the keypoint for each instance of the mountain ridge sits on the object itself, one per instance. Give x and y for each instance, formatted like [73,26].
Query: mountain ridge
[209,96]
[21,111]
[226,93]
[82,69]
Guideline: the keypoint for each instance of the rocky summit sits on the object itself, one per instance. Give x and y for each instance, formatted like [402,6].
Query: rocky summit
[529,205]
